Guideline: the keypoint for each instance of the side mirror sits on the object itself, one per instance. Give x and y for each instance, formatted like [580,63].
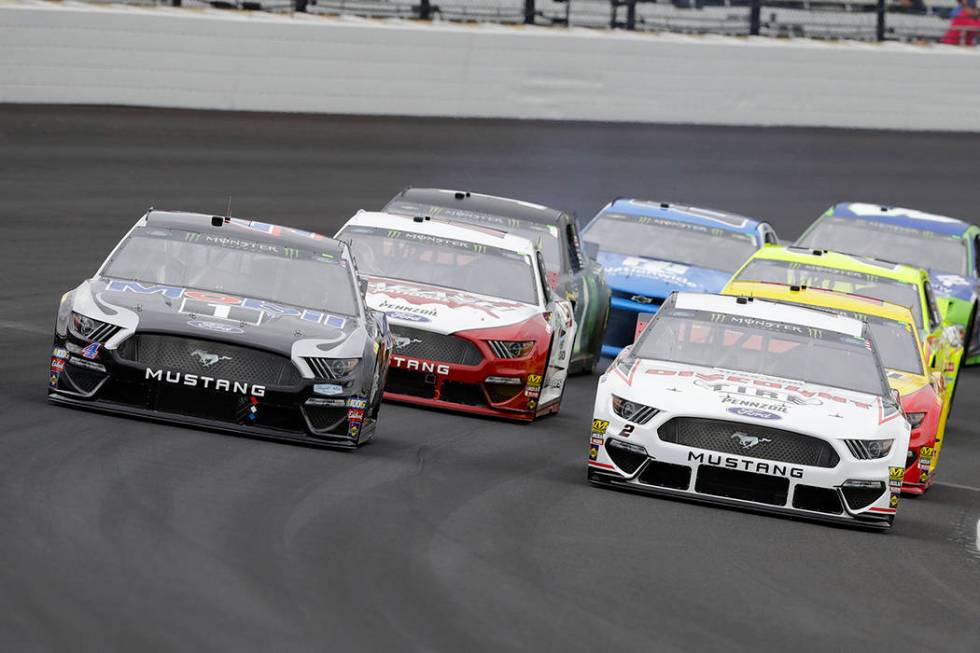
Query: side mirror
[362,283]
[591,249]
[897,398]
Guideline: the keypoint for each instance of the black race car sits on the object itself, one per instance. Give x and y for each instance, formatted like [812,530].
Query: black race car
[225,323]
[571,273]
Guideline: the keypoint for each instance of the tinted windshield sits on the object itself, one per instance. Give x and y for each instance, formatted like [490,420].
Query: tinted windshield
[691,244]
[815,276]
[937,252]
[746,344]
[304,277]
[442,262]
[895,340]
[544,236]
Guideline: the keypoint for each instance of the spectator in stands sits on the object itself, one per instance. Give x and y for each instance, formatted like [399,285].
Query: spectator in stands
[911,7]
[964,26]
[956,10]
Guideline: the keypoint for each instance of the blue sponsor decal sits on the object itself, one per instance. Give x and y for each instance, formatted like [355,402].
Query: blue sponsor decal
[744,411]
[215,326]
[409,317]
[92,351]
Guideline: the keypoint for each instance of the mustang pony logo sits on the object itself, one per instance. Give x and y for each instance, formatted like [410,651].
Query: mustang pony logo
[207,359]
[404,341]
[748,441]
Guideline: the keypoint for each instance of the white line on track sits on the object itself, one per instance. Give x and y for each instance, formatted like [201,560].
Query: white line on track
[978,535]
[22,326]
[968,488]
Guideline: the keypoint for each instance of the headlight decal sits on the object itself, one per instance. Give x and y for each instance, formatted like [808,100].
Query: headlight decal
[633,411]
[869,449]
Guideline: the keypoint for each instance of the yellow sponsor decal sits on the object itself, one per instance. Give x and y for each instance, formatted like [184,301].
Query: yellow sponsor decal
[593,453]
[894,501]
[927,452]
[896,473]
[534,380]
[599,426]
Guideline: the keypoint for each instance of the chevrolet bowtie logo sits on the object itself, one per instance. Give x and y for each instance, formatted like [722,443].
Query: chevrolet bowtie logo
[640,299]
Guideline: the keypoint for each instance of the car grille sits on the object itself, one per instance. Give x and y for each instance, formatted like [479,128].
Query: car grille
[326,418]
[817,499]
[413,384]
[232,362]
[747,486]
[417,343]
[773,444]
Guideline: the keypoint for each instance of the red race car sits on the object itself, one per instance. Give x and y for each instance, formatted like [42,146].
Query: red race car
[475,325]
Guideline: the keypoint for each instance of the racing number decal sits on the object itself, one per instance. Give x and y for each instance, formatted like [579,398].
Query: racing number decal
[629,428]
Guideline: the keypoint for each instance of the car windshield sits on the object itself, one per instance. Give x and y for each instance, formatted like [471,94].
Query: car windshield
[444,262]
[845,281]
[897,346]
[691,244]
[891,242]
[304,277]
[544,236]
[747,344]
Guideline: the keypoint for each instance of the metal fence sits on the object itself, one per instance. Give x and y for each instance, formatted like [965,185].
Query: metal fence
[869,20]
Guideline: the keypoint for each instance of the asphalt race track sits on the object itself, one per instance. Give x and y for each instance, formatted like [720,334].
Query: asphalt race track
[448,533]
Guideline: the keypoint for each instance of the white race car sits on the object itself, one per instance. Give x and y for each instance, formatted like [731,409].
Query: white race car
[476,327]
[755,404]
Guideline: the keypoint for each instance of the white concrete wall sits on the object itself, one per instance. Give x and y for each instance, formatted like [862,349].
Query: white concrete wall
[209,59]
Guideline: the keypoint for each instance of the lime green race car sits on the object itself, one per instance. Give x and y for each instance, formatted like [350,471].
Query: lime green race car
[948,248]
[891,282]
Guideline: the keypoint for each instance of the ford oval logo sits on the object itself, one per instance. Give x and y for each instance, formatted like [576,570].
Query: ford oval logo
[744,411]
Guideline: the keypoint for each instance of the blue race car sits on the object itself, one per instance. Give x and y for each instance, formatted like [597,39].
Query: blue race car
[948,248]
[650,249]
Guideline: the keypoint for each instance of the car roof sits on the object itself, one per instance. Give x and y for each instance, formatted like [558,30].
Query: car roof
[492,204]
[682,213]
[444,229]
[821,297]
[899,216]
[768,310]
[230,227]
[830,259]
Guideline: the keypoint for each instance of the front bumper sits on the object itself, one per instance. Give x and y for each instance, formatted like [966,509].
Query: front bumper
[739,480]
[290,413]
[464,388]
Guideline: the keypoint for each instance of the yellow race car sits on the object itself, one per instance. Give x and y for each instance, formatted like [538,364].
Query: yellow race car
[924,393]
[892,282]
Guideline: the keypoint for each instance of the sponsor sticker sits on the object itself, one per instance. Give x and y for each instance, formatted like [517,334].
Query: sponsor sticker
[534,380]
[599,426]
[355,415]
[593,452]
[595,440]
[215,326]
[327,389]
[57,364]
[532,404]
[755,413]
[354,402]
[409,317]
[59,352]
[53,379]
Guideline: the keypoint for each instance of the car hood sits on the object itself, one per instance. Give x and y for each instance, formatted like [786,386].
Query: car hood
[656,278]
[751,398]
[443,310]
[234,319]
[905,382]
[953,285]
